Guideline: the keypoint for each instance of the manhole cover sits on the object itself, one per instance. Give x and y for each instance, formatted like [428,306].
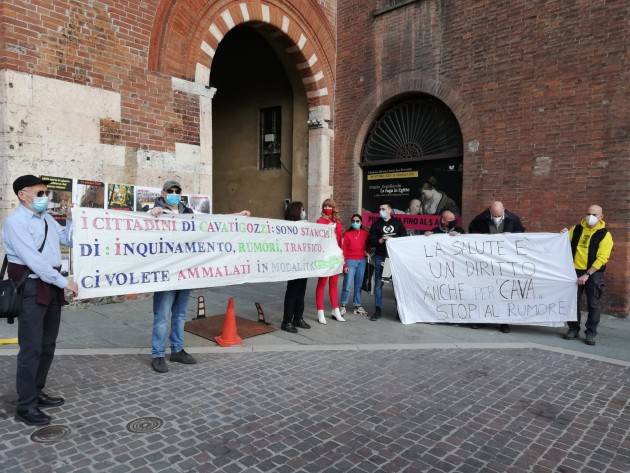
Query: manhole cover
[50,434]
[144,425]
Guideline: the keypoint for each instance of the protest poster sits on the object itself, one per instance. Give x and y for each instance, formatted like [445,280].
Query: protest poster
[145,197]
[413,223]
[120,196]
[59,205]
[90,194]
[200,204]
[61,197]
[525,278]
[117,252]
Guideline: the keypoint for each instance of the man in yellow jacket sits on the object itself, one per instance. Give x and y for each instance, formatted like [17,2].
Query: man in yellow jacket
[591,244]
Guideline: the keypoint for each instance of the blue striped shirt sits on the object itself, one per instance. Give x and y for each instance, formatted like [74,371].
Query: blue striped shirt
[23,234]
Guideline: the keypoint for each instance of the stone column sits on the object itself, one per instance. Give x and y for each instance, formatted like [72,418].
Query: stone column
[203,180]
[319,145]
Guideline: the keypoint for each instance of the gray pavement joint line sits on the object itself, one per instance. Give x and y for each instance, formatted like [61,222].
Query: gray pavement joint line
[340,347]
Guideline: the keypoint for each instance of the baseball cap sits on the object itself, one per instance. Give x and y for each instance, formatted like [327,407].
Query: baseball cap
[27,181]
[170,184]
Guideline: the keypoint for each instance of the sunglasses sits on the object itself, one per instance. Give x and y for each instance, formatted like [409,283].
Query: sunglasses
[356,221]
[174,191]
[47,193]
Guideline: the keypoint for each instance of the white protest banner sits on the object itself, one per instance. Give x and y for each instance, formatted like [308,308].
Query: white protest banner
[519,278]
[117,252]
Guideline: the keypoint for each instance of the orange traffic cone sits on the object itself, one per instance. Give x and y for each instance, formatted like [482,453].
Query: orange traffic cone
[229,335]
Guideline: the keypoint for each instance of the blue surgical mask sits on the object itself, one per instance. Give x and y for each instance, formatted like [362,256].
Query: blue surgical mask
[384,214]
[40,204]
[173,199]
[356,225]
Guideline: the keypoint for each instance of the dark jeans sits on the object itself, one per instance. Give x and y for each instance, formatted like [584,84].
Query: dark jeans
[38,327]
[594,287]
[294,300]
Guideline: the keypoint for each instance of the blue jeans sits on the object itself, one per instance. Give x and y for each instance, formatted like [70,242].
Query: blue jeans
[356,270]
[378,281]
[175,304]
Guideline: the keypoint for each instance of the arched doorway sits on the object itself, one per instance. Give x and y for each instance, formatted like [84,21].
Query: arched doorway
[260,134]
[412,157]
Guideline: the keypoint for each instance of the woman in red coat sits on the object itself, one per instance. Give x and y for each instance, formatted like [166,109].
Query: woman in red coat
[329,217]
[355,247]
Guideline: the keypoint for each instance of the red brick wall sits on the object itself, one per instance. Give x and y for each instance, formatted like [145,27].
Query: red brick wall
[104,45]
[527,79]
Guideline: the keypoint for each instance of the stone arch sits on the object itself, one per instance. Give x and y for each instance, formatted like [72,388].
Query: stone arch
[186,35]
[389,90]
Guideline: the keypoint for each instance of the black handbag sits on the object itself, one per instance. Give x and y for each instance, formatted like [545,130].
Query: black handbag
[11,292]
[10,295]
[367,278]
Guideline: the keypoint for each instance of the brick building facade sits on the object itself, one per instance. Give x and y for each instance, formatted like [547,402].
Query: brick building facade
[120,90]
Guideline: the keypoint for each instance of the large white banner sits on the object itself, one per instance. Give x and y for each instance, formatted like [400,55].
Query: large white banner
[520,278]
[118,252]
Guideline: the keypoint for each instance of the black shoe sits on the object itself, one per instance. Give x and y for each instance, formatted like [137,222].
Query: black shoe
[301,323]
[572,334]
[44,400]
[590,339]
[376,315]
[182,357]
[288,327]
[32,417]
[475,326]
[505,328]
[159,365]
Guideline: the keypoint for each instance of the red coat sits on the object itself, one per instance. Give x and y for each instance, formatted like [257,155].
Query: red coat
[355,244]
[338,229]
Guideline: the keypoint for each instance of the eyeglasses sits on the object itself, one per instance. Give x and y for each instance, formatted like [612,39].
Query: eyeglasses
[47,193]
[174,191]
[356,221]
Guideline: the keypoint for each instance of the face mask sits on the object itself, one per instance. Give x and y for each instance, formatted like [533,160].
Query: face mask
[356,225]
[384,214]
[328,212]
[591,220]
[428,193]
[303,215]
[497,220]
[173,199]
[40,204]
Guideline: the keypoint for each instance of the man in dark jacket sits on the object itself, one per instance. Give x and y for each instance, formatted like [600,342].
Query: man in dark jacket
[448,224]
[381,231]
[169,304]
[496,219]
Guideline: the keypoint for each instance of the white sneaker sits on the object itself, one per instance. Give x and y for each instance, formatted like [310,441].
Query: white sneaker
[320,317]
[342,310]
[359,310]
[336,314]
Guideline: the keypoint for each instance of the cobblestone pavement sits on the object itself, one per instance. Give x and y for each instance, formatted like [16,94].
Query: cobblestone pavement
[332,411]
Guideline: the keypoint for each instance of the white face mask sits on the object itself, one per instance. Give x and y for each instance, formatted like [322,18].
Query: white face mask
[497,220]
[384,214]
[303,215]
[591,220]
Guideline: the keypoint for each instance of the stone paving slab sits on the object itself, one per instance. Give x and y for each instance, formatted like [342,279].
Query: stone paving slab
[439,410]
[128,325]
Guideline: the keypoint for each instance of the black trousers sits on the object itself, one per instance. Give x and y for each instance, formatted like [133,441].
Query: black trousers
[593,288]
[38,327]
[294,300]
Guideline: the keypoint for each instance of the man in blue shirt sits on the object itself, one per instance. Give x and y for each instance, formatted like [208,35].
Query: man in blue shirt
[31,239]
